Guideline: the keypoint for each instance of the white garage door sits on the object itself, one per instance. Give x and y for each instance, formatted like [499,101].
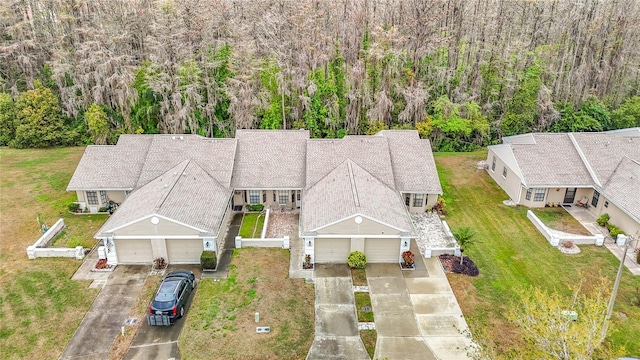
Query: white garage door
[332,250]
[184,251]
[382,250]
[134,251]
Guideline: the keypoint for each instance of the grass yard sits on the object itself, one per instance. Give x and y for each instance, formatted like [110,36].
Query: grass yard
[252,224]
[363,299]
[40,306]
[559,219]
[369,339]
[221,318]
[513,255]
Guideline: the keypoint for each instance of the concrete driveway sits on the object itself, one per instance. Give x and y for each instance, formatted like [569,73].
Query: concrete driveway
[337,335]
[102,323]
[161,342]
[416,313]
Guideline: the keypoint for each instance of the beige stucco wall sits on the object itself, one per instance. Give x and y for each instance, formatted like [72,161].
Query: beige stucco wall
[164,227]
[511,184]
[617,217]
[268,200]
[431,200]
[367,227]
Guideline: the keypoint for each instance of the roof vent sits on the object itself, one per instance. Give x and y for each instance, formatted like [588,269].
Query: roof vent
[184,174]
[181,137]
[166,186]
[173,138]
[175,173]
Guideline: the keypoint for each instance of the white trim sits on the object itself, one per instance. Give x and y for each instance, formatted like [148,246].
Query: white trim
[346,236]
[149,237]
[267,188]
[353,216]
[98,189]
[151,215]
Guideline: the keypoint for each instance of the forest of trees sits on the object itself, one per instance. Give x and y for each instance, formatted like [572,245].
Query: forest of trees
[463,73]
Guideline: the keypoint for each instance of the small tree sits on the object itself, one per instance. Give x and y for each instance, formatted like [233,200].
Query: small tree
[550,332]
[465,237]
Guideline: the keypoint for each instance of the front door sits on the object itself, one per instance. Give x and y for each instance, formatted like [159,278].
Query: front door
[569,196]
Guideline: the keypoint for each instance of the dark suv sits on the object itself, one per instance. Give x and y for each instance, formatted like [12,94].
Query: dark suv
[171,298]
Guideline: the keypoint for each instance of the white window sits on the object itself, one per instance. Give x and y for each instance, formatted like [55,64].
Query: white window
[103,196]
[418,200]
[493,164]
[254,196]
[504,172]
[539,195]
[92,197]
[264,196]
[528,197]
[595,198]
[283,196]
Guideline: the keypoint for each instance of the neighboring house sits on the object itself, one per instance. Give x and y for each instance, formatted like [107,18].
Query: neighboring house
[542,169]
[177,192]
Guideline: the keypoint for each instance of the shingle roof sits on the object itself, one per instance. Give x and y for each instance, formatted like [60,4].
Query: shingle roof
[185,193]
[215,156]
[270,159]
[552,161]
[622,187]
[602,152]
[414,168]
[369,152]
[111,166]
[348,190]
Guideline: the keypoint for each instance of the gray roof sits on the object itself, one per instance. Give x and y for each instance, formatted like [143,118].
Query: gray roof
[602,152]
[622,187]
[213,155]
[111,166]
[414,168]
[185,193]
[551,161]
[348,190]
[369,152]
[270,159]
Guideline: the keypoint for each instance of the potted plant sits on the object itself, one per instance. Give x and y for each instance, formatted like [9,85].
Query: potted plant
[408,260]
[307,262]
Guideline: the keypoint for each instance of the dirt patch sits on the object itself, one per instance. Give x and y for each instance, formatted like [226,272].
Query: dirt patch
[222,316]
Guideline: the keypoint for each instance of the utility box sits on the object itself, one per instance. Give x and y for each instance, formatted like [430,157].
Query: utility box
[102,252]
[571,315]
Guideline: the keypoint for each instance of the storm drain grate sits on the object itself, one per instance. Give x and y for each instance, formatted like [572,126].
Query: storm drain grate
[131,321]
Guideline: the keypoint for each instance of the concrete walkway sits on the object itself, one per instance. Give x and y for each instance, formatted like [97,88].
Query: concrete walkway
[101,325]
[416,313]
[588,220]
[222,272]
[337,335]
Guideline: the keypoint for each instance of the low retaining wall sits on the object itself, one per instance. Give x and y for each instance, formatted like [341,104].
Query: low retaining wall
[40,247]
[267,242]
[555,237]
[435,252]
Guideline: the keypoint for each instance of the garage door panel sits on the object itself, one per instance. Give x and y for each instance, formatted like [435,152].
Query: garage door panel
[186,251]
[331,250]
[134,251]
[382,250]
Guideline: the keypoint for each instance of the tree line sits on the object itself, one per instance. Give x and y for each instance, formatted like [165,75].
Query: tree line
[463,73]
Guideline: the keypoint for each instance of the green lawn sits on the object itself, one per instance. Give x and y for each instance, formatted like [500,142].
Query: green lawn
[40,306]
[363,299]
[221,322]
[512,255]
[252,224]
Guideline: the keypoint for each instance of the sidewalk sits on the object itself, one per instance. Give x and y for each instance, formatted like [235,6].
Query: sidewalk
[589,222]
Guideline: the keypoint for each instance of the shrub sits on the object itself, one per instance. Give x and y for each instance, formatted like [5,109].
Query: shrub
[73,207]
[357,260]
[159,263]
[568,244]
[208,260]
[439,207]
[102,209]
[614,231]
[255,207]
[638,256]
[603,219]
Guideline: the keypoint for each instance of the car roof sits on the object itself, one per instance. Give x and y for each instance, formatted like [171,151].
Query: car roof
[168,288]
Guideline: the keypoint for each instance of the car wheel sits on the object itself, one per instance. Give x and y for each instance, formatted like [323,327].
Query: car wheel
[182,311]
